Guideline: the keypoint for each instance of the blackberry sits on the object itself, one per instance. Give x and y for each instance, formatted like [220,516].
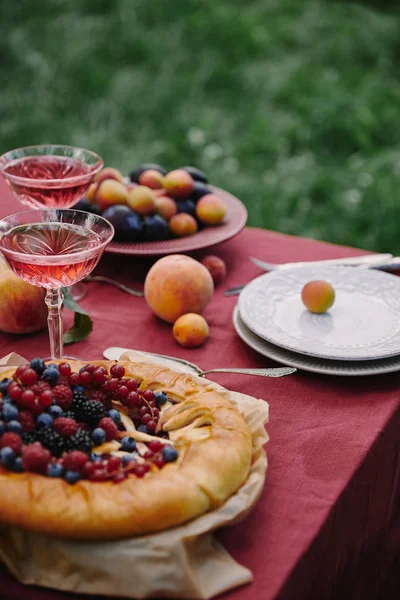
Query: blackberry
[80,441]
[28,437]
[92,412]
[51,440]
[69,414]
[78,402]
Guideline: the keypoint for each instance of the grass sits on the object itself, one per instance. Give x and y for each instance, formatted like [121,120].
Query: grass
[292,106]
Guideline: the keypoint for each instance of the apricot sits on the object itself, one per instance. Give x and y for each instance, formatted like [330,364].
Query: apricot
[111,192]
[211,209]
[153,179]
[166,207]
[91,193]
[183,224]
[216,266]
[178,183]
[142,200]
[318,296]
[159,193]
[108,173]
[176,285]
[190,330]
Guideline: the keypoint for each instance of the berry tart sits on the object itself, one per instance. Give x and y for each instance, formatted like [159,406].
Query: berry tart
[106,450]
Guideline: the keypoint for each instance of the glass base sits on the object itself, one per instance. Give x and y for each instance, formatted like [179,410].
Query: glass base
[78,291]
[48,359]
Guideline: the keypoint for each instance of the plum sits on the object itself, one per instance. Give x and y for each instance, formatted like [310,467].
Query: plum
[196,174]
[156,229]
[127,225]
[186,206]
[135,174]
[200,189]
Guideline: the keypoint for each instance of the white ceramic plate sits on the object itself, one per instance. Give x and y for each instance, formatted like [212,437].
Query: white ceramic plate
[362,324]
[310,363]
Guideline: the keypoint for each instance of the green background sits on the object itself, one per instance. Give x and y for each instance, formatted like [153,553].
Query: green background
[294,106]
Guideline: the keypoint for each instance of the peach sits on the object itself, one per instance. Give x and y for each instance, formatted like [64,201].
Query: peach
[176,285]
[183,224]
[142,200]
[211,209]
[111,192]
[216,266]
[91,193]
[190,330]
[178,183]
[153,179]
[108,173]
[318,296]
[166,207]
[22,306]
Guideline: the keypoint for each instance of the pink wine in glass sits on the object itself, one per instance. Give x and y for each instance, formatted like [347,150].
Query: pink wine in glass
[48,181]
[28,248]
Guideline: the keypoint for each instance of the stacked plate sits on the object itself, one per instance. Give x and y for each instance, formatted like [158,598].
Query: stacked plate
[359,335]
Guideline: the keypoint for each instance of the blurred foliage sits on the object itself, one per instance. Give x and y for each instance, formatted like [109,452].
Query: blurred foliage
[292,106]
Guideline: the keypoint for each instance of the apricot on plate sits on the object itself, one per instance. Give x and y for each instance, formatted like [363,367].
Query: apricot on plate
[111,192]
[176,285]
[216,266]
[166,207]
[178,183]
[108,173]
[142,200]
[152,178]
[183,224]
[318,296]
[211,209]
[190,330]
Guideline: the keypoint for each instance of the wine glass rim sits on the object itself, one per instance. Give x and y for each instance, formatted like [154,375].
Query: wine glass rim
[56,258]
[93,169]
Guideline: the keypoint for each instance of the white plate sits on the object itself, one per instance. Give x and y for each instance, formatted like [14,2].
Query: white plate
[310,363]
[362,324]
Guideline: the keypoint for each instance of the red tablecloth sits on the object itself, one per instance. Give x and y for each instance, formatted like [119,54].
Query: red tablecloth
[327,524]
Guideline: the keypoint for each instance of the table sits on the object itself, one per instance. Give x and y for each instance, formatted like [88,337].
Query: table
[328,522]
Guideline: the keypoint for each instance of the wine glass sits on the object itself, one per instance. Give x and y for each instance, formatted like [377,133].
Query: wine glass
[53,248]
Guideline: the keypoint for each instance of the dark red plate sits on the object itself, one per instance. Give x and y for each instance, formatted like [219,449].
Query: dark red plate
[235,220]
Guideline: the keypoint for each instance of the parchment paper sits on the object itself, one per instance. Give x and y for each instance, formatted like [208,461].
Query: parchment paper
[184,562]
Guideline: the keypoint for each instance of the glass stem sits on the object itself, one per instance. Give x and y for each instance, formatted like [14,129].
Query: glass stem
[54,299]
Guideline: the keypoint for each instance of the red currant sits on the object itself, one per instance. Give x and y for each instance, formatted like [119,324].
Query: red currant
[117,371]
[123,392]
[74,378]
[85,378]
[155,446]
[89,468]
[148,395]
[20,370]
[159,461]
[114,463]
[131,384]
[15,391]
[155,412]
[99,376]
[64,369]
[141,469]
[46,398]
[27,397]
[148,454]
[120,477]
[151,425]
[36,408]
[151,403]
[90,368]
[146,418]
[29,377]
[99,474]
[112,385]
[143,411]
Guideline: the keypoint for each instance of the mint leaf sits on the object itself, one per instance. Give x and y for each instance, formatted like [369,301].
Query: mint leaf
[83,324]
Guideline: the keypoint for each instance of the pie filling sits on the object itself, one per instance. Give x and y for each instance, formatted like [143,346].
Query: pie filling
[96,424]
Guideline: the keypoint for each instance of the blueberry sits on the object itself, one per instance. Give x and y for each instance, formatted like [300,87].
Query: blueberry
[196,174]
[2,427]
[7,457]
[51,375]
[160,397]
[136,173]
[78,389]
[7,400]
[186,206]
[14,427]
[37,365]
[55,411]
[4,386]
[170,454]
[95,457]
[200,190]
[55,470]
[98,436]
[128,444]
[52,366]
[143,429]
[44,420]
[156,229]
[17,466]
[114,415]
[10,412]
[72,477]
[128,458]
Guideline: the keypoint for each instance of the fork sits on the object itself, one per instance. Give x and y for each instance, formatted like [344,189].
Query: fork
[121,286]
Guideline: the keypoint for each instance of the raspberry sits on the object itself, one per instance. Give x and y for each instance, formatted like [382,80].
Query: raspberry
[110,428]
[12,440]
[63,396]
[27,421]
[117,371]
[75,461]
[63,381]
[29,377]
[35,457]
[64,369]
[89,468]
[65,427]
[40,386]
[101,397]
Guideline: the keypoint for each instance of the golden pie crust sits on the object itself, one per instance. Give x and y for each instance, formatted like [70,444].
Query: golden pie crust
[215,450]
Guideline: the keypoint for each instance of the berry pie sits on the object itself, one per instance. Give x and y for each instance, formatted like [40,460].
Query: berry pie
[106,450]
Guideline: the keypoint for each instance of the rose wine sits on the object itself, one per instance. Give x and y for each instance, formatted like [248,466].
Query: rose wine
[46,181]
[51,255]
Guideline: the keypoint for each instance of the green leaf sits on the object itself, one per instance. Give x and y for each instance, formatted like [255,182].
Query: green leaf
[83,324]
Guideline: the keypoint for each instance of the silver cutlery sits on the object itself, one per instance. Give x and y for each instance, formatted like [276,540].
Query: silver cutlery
[114,353]
[121,286]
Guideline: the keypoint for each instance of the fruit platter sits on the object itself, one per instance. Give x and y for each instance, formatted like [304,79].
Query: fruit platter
[155,212]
